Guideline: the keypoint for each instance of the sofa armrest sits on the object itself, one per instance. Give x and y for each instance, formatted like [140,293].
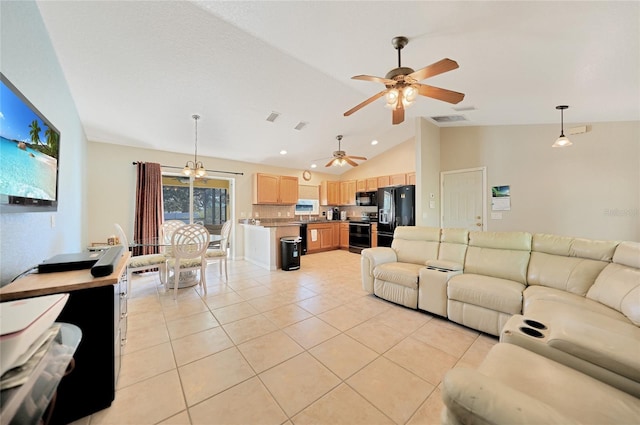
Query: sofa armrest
[473,398]
[601,345]
[370,258]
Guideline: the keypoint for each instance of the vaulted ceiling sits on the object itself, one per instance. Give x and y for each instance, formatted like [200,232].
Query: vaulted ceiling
[138,70]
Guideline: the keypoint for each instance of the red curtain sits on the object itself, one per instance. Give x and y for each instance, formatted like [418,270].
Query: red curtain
[149,214]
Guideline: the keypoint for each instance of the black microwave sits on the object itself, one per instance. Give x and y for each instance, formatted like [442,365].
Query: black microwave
[367,199]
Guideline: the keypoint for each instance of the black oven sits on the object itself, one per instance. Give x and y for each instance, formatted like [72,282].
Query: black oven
[359,236]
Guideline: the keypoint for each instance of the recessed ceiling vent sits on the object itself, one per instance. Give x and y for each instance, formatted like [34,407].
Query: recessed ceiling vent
[464,108]
[300,125]
[449,118]
[273,116]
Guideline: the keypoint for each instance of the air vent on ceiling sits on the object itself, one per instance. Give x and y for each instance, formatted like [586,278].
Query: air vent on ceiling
[273,116]
[464,108]
[449,118]
[300,125]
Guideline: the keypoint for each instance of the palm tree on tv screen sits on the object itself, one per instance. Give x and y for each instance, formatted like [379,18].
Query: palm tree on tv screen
[35,132]
[52,142]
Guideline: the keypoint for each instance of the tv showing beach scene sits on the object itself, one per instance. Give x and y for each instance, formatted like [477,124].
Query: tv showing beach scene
[29,152]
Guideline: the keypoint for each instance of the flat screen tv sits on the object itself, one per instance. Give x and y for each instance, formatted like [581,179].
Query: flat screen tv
[29,154]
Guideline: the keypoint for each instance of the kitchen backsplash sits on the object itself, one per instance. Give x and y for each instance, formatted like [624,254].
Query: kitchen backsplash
[288,211]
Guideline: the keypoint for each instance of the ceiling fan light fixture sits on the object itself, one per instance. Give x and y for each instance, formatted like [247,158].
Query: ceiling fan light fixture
[409,94]
[562,141]
[392,98]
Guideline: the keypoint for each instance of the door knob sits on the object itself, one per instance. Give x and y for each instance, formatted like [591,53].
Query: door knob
[478,218]
[479,224]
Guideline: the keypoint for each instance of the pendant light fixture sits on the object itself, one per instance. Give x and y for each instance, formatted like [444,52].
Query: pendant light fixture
[195,167]
[562,141]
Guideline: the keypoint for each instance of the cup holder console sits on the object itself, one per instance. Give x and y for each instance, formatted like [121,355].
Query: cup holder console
[531,332]
[534,324]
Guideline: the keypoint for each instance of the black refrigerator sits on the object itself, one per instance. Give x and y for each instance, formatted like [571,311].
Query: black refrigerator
[396,207]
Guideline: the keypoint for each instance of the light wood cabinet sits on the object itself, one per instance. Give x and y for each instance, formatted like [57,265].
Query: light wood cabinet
[329,193]
[361,185]
[327,237]
[374,235]
[272,189]
[384,181]
[344,235]
[371,184]
[411,178]
[348,192]
[398,179]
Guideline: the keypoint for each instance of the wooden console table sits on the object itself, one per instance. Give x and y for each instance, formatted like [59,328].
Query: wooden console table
[98,306]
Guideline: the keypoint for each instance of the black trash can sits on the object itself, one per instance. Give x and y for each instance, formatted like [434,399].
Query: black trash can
[290,253]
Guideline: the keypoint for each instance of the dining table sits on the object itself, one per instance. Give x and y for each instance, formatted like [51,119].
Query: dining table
[188,278]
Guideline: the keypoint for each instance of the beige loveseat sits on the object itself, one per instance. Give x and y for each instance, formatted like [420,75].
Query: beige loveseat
[571,303]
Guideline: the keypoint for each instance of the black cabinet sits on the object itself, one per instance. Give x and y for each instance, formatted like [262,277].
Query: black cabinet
[100,313]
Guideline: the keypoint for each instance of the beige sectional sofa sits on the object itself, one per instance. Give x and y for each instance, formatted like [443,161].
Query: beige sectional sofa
[572,304]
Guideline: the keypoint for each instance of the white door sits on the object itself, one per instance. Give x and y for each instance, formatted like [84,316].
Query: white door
[464,198]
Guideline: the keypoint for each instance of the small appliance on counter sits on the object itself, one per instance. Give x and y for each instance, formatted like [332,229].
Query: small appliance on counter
[330,214]
[343,215]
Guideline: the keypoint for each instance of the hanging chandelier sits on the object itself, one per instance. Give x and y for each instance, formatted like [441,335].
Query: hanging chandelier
[195,167]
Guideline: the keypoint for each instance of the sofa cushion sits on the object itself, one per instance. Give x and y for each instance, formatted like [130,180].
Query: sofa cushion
[416,244]
[566,263]
[503,255]
[618,287]
[453,245]
[490,292]
[566,392]
[405,274]
[546,303]
[570,274]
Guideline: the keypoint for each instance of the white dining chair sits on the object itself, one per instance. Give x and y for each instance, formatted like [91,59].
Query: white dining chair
[220,252]
[188,245]
[140,262]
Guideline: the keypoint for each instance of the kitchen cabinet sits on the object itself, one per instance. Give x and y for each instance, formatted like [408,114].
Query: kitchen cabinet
[411,178]
[384,181]
[371,184]
[374,235]
[361,185]
[344,235]
[329,193]
[275,190]
[327,237]
[398,179]
[348,192]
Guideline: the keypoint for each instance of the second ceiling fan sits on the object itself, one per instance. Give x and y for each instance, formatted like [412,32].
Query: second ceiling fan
[340,157]
[402,85]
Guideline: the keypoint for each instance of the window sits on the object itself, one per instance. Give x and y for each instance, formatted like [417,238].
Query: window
[203,201]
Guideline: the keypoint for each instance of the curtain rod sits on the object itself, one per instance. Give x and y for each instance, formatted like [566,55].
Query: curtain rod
[212,171]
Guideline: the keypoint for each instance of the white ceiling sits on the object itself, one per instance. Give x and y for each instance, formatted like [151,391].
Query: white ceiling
[138,70]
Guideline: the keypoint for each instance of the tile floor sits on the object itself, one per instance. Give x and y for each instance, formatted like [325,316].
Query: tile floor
[296,347]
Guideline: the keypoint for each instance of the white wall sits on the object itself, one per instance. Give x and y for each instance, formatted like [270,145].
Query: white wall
[427,173]
[591,189]
[30,63]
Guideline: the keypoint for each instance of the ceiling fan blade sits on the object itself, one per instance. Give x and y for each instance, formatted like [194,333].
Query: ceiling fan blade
[330,163]
[434,69]
[385,81]
[350,162]
[365,103]
[362,158]
[398,113]
[440,94]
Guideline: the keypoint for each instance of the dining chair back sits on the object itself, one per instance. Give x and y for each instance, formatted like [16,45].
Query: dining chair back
[188,245]
[139,262]
[166,231]
[220,253]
